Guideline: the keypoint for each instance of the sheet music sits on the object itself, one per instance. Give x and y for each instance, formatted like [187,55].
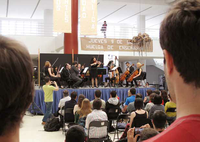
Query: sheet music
[85,70]
[61,69]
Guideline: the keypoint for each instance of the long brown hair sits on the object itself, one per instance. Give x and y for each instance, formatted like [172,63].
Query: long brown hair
[86,108]
[47,64]
[80,99]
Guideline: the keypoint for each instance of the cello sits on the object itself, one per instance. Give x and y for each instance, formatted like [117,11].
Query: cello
[124,75]
[135,73]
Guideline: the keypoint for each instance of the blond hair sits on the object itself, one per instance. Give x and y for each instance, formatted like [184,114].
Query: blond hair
[85,108]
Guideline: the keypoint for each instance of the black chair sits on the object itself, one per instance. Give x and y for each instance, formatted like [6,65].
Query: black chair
[141,122]
[98,124]
[112,114]
[170,120]
[121,118]
[68,117]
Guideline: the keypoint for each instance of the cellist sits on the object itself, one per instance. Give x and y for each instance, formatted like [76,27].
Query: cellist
[139,76]
[130,68]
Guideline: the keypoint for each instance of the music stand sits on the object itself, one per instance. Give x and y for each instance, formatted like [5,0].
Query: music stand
[101,71]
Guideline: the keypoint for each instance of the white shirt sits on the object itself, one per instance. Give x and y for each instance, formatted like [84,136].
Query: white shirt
[76,108]
[96,115]
[62,102]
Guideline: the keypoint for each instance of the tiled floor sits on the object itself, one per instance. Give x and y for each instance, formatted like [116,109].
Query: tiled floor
[32,131]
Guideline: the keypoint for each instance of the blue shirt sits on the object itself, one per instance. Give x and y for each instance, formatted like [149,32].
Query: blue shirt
[130,100]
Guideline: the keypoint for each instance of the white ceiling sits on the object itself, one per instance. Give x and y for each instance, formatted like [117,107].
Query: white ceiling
[112,11]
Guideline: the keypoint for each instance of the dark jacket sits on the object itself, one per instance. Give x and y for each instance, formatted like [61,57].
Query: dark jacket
[74,72]
[131,69]
[65,74]
[112,103]
[69,117]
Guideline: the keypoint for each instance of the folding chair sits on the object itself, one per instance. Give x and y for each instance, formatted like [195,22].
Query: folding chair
[68,117]
[112,114]
[98,124]
[120,118]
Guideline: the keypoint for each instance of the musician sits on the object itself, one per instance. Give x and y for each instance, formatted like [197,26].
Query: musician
[140,74]
[74,75]
[94,64]
[48,72]
[130,68]
[111,74]
[66,75]
[79,70]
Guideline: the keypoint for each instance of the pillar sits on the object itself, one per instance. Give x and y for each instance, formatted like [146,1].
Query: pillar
[48,22]
[71,39]
[141,24]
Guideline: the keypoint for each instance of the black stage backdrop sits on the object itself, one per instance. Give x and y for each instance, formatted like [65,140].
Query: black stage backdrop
[67,58]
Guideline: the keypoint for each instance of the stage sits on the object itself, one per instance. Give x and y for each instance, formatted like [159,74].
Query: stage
[88,92]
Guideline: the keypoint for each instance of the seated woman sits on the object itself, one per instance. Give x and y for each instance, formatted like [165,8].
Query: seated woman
[48,72]
[77,107]
[81,115]
[150,104]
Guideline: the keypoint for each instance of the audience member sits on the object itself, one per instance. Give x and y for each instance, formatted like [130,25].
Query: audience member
[97,95]
[112,103]
[170,105]
[164,97]
[81,114]
[61,104]
[150,104]
[48,98]
[75,134]
[131,106]
[16,85]
[96,115]
[147,98]
[70,104]
[77,107]
[156,92]
[129,99]
[140,116]
[157,105]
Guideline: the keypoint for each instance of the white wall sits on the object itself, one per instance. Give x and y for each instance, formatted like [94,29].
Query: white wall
[33,43]
[153,74]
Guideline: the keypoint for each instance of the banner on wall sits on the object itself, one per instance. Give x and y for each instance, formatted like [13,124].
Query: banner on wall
[108,44]
[62,16]
[88,21]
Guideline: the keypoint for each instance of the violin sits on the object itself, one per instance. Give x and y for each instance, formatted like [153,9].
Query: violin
[135,73]
[124,75]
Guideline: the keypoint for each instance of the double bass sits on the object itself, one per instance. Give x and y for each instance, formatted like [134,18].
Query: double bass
[124,75]
[135,73]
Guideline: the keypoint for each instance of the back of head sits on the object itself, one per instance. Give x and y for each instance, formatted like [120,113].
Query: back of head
[156,92]
[149,92]
[159,119]
[147,133]
[86,107]
[75,134]
[73,95]
[16,84]
[164,95]
[65,93]
[46,79]
[138,104]
[113,94]
[152,97]
[138,95]
[80,99]
[97,93]
[180,31]
[157,99]
[133,91]
[97,104]
[75,63]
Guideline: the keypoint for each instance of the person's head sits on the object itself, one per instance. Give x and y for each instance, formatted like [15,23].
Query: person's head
[138,103]
[159,119]
[75,63]
[157,99]
[110,63]
[179,39]
[147,84]
[67,65]
[97,94]
[147,133]
[80,99]
[47,64]
[16,84]
[47,80]
[156,92]
[139,65]
[75,133]
[113,94]
[149,91]
[97,103]
[164,95]
[132,91]
[86,107]
[127,64]
[73,95]
[79,65]
[65,93]
[93,60]
[104,22]
[138,95]
[152,97]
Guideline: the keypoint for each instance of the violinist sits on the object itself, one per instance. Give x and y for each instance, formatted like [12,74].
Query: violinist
[130,68]
[111,74]
[94,64]
[140,74]
[49,73]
